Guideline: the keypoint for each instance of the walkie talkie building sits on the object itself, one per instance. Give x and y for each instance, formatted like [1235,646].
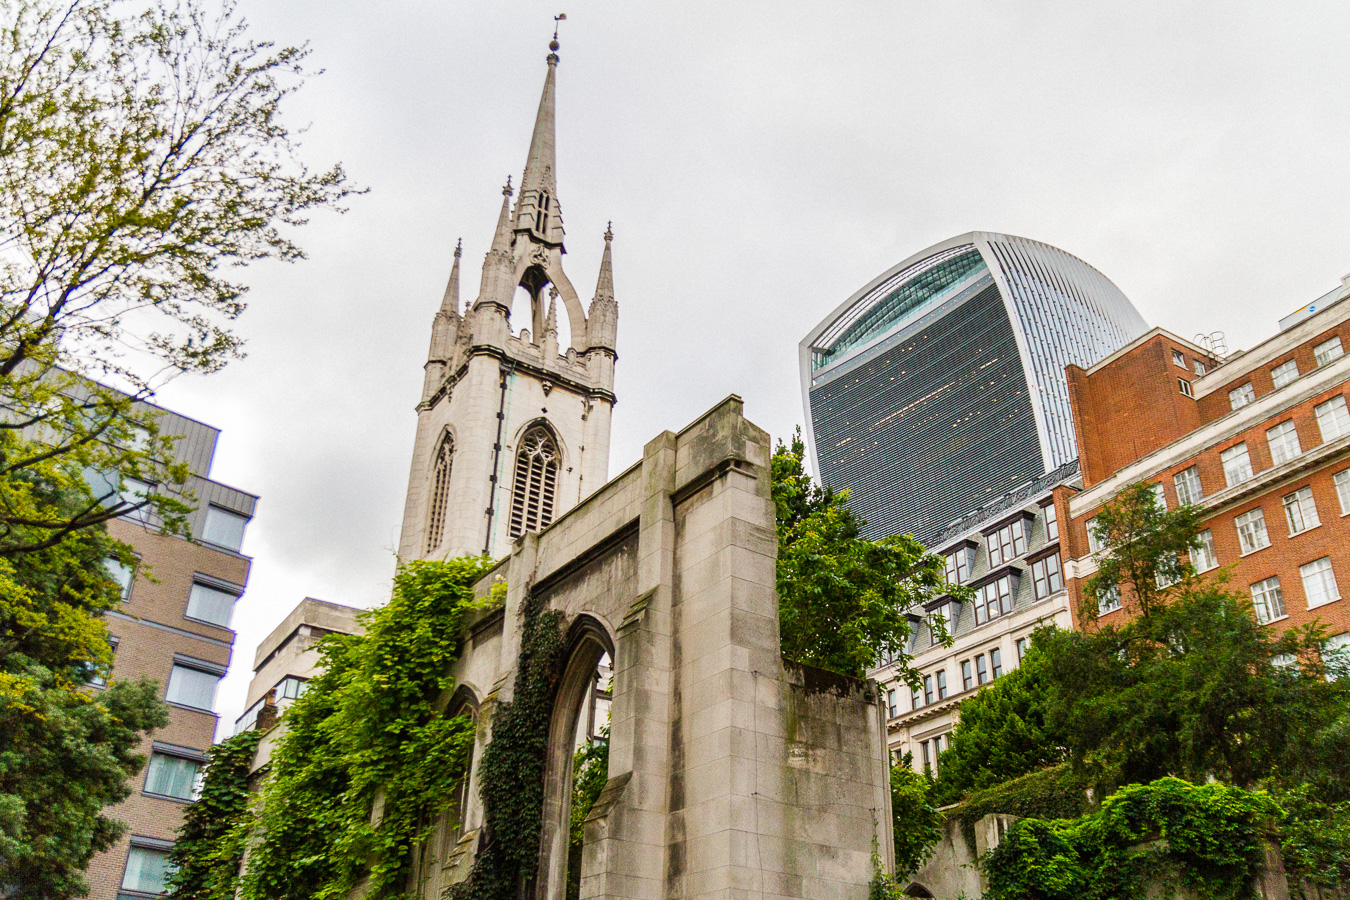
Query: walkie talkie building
[940,386]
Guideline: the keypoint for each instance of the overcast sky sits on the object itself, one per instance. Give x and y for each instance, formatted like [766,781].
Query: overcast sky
[760,163]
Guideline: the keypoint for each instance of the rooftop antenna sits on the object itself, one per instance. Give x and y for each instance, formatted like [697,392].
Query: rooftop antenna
[557,20]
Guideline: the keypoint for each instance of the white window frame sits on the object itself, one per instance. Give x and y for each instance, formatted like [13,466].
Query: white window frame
[1281,376]
[1241,395]
[1268,600]
[1051,521]
[1200,368]
[1339,646]
[1190,490]
[1300,511]
[1325,590]
[1110,602]
[1342,481]
[1178,359]
[1095,544]
[1253,536]
[1185,387]
[1203,555]
[1328,351]
[1237,464]
[1283,441]
[1047,577]
[1333,418]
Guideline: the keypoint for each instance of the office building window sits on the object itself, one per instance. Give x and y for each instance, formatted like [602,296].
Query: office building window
[1159,495]
[1189,490]
[147,870]
[1237,465]
[1096,541]
[942,684]
[1020,645]
[122,574]
[1203,557]
[1284,373]
[1342,481]
[1008,543]
[996,661]
[1283,442]
[981,670]
[1268,600]
[1239,397]
[892,704]
[915,699]
[192,687]
[967,679]
[959,564]
[1333,420]
[927,759]
[1336,655]
[172,776]
[210,604]
[1285,661]
[1251,529]
[224,529]
[927,690]
[1300,511]
[1200,368]
[290,687]
[1046,576]
[1185,387]
[1178,359]
[1328,351]
[134,491]
[1051,522]
[1109,601]
[993,600]
[1319,582]
[939,624]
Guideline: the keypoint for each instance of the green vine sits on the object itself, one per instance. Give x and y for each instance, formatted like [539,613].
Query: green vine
[590,771]
[211,843]
[511,773]
[369,761]
[1203,840]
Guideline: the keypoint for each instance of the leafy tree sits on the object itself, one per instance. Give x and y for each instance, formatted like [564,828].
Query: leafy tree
[916,823]
[842,600]
[66,751]
[210,845]
[143,156]
[1002,734]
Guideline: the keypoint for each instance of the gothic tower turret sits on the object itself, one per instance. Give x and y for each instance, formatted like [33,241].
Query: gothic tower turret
[512,428]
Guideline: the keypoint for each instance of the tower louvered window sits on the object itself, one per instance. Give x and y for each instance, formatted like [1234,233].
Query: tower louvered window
[440,493]
[535,489]
[541,214]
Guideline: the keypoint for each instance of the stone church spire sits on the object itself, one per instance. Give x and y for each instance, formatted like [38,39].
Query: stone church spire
[513,425]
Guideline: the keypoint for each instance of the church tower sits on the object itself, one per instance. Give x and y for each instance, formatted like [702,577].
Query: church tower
[512,429]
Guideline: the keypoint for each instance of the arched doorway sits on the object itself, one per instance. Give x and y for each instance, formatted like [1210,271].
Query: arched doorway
[578,735]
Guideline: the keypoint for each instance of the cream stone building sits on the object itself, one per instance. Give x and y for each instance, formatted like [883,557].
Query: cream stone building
[512,427]
[1010,554]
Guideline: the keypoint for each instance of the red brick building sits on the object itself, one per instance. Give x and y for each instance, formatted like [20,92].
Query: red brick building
[1259,440]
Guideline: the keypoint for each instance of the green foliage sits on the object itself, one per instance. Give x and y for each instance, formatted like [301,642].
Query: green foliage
[1002,734]
[142,157]
[1204,839]
[590,772]
[511,772]
[1146,542]
[1054,792]
[917,825]
[368,761]
[1315,840]
[842,600]
[66,750]
[210,845]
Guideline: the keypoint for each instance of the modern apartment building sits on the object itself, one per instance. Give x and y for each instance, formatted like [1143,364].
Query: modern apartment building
[283,665]
[939,387]
[1009,553]
[174,626]
[1259,441]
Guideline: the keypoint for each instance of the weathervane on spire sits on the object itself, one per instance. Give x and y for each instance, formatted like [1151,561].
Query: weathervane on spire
[553,44]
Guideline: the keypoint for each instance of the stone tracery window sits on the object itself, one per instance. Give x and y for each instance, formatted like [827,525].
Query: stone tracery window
[535,488]
[440,494]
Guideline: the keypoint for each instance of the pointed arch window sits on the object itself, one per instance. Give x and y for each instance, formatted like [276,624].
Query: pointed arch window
[541,213]
[440,494]
[535,488]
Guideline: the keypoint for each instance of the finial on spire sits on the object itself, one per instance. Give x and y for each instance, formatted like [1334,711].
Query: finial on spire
[506,191]
[609,231]
[459,247]
[553,44]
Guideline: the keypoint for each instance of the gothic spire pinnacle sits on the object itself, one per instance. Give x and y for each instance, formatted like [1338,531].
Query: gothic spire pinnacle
[497,265]
[604,285]
[538,211]
[450,302]
[551,323]
[602,319]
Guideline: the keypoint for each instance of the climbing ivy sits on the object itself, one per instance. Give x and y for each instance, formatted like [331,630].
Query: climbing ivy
[1171,835]
[511,773]
[369,761]
[210,844]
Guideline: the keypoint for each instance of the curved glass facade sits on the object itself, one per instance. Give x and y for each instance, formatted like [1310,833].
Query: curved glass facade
[941,386]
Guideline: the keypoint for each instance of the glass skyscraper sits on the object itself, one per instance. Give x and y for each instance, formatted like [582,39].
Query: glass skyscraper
[940,386]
